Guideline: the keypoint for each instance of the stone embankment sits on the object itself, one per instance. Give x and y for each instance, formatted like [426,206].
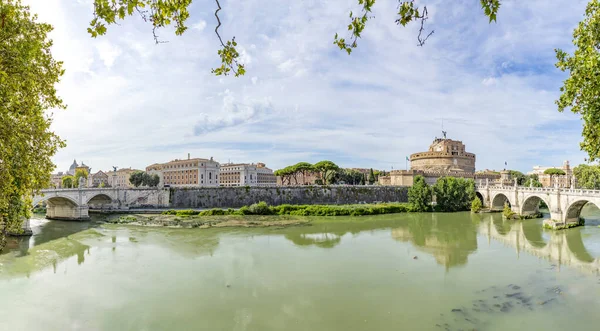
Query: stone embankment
[235,197]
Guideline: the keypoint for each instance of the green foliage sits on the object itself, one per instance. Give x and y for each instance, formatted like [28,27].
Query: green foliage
[79,173]
[476,205]
[419,195]
[67,182]
[371,177]
[519,176]
[159,13]
[182,212]
[139,178]
[349,176]
[356,26]
[588,176]
[162,13]
[454,194]
[28,74]
[507,211]
[554,171]
[532,181]
[136,178]
[327,170]
[102,185]
[262,208]
[581,89]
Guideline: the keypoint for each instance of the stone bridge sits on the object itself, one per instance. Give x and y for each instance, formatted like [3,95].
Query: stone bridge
[74,204]
[564,204]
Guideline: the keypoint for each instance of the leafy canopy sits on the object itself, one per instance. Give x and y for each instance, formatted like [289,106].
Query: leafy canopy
[454,194]
[588,176]
[554,171]
[419,195]
[28,73]
[162,13]
[580,91]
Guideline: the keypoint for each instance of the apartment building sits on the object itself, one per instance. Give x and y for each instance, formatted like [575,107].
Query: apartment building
[190,172]
[246,174]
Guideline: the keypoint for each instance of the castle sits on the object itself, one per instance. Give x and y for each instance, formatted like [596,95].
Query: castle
[445,157]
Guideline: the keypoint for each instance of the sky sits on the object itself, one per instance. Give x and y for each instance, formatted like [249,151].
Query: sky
[132,102]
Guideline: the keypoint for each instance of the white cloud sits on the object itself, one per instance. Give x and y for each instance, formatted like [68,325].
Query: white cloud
[489,81]
[200,25]
[108,52]
[145,103]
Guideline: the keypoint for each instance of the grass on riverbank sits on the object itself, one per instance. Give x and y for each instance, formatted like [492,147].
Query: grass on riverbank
[262,208]
[196,221]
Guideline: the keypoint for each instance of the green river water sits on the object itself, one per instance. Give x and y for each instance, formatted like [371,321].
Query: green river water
[454,271]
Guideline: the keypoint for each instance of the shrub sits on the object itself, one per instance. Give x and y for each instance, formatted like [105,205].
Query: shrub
[507,212]
[260,208]
[476,205]
[186,212]
[169,212]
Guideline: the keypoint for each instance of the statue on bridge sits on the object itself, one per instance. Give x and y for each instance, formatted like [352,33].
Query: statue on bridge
[81,182]
[573,182]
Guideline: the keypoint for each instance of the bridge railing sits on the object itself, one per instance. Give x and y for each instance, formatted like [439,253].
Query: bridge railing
[579,191]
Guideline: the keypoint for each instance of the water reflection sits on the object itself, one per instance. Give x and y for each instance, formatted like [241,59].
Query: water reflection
[449,241]
[565,247]
[448,238]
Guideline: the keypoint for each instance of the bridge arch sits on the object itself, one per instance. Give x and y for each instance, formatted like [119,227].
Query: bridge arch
[499,200]
[574,210]
[55,199]
[531,204]
[480,197]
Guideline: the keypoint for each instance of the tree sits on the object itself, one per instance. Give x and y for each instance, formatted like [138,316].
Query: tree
[285,174]
[67,181]
[303,168]
[136,178]
[164,13]
[28,73]
[371,177]
[454,194]
[362,179]
[554,171]
[519,176]
[101,185]
[588,176]
[419,195]
[580,91]
[79,173]
[152,180]
[532,181]
[327,169]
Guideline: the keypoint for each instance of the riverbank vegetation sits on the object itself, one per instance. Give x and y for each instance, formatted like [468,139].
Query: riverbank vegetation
[262,208]
[28,73]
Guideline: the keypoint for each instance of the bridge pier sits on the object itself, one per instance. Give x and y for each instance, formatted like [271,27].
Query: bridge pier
[57,211]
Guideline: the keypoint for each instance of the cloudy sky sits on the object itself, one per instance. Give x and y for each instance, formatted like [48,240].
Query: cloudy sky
[132,103]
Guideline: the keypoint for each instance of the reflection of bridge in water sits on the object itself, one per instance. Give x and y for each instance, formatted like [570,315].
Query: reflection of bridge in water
[563,247]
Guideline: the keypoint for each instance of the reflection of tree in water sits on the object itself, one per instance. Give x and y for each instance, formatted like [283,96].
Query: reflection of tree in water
[449,238]
[323,240]
[329,234]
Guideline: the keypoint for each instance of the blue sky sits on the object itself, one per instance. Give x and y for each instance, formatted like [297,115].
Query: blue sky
[132,103]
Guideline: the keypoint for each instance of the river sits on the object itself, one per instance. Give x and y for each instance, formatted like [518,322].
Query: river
[455,271]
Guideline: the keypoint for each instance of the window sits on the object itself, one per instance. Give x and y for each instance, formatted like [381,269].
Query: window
[210,175]
[201,176]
